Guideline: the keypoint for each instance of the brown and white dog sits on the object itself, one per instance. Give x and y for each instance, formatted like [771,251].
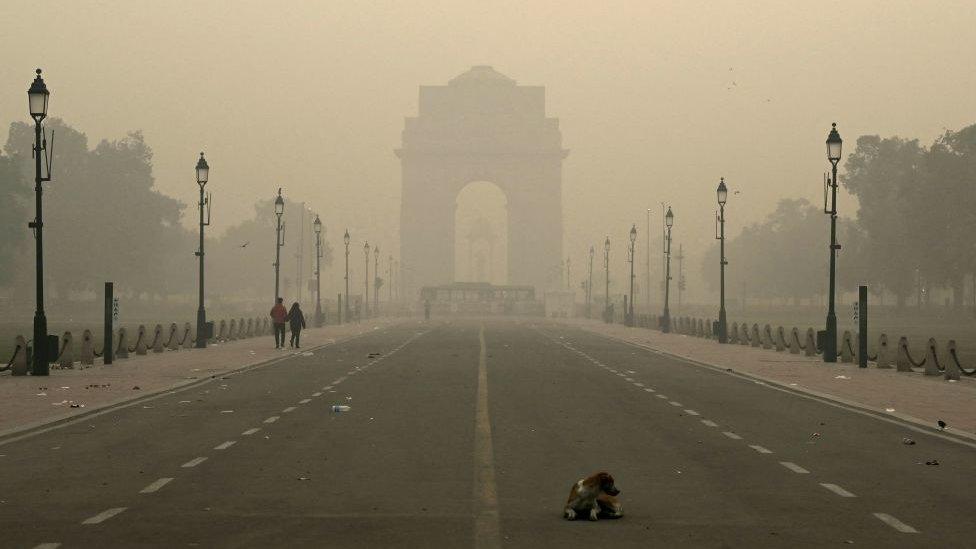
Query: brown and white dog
[596,495]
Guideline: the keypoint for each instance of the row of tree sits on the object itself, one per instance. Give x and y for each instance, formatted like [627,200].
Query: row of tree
[916,214]
[105,220]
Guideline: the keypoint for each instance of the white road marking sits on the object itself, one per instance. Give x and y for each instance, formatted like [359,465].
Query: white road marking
[837,490]
[155,486]
[104,515]
[794,467]
[648,389]
[638,384]
[760,449]
[272,419]
[709,423]
[194,462]
[629,379]
[326,388]
[305,401]
[662,396]
[731,435]
[48,546]
[251,431]
[895,523]
[673,403]
[225,445]
[486,525]
[316,394]
[692,413]
[288,410]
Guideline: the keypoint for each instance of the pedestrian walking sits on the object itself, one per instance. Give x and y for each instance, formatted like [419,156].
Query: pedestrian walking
[296,321]
[278,315]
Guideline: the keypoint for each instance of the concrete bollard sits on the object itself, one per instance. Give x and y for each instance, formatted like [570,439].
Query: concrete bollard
[174,343]
[847,348]
[734,333]
[141,347]
[795,341]
[767,338]
[932,359]
[884,353]
[901,360]
[157,342]
[18,366]
[811,344]
[780,339]
[232,330]
[755,339]
[187,339]
[250,327]
[67,351]
[122,350]
[222,333]
[87,349]
[952,370]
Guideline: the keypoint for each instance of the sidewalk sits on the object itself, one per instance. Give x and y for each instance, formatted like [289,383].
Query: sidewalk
[27,402]
[908,396]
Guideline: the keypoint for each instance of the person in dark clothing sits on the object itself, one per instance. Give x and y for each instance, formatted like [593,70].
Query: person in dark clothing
[278,315]
[296,321]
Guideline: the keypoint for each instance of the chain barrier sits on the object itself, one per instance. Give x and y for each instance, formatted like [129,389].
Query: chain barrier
[13,357]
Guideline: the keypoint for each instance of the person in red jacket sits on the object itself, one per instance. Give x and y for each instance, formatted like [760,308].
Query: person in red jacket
[278,314]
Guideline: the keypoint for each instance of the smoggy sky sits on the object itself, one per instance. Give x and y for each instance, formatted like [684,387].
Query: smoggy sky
[656,100]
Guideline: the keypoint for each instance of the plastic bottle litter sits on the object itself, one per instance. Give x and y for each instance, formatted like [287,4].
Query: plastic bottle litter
[341,408]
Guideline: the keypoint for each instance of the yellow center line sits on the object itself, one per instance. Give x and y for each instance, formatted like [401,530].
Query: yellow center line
[486,528]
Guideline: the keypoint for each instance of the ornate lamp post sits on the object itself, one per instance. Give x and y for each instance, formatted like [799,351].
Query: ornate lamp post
[345,239]
[203,175]
[666,320]
[606,291]
[834,144]
[366,292]
[723,193]
[376,285]
[589,288]
[38,97]
[279,208]
[317,227]
[633,240]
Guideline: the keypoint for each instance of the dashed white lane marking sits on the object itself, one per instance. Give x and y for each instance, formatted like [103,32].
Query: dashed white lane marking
[692,413]
[638,384]
[288,410]
[709,423]
[629,379]
[794,467]
[731,435]
[48,546]
[662,396]
[760,449]
[895,523]
[305,401]
[272,419]
[673,403]
[316,394]
[837,490]
[251,431]
[104,515]
[194,462]
[326,388]
[225,445]
[155,486]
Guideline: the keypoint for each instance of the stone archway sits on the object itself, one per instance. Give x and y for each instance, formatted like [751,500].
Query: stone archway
[481,126]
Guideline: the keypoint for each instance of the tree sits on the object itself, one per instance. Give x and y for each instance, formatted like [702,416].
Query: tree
[14,195]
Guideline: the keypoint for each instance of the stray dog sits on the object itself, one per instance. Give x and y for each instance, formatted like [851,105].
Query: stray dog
[596,495]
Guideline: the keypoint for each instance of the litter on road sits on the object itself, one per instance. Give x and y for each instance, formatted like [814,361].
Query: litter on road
[341,408]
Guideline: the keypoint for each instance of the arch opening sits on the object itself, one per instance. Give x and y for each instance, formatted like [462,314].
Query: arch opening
[481,234]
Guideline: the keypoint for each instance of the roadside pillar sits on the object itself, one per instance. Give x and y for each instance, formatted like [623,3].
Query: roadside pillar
[862,326]
[109,311]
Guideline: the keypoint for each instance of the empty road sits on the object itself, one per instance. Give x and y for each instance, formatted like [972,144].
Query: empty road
[469,433]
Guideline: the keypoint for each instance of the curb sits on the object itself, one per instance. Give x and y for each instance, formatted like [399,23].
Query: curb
[21,432]
[904,420]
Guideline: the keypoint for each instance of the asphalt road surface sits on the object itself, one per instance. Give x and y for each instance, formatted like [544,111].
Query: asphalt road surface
[469,434]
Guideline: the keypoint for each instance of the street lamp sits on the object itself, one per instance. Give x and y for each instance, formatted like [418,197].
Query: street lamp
[633,240]
[279,209]
[589,288]
[203,175]
[345,239]
[666,320]
[317,227]
[38,96]
[376,276]
[389,274]
[834,144]
[366,292]
[606,291]
[723,194]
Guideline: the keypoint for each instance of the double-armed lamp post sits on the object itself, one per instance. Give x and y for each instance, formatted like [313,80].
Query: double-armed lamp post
[317,227]
[345,239]
[834,145]
[630,311]
[376,276]
[723,193]
[606,290]
[666,319]
[203,175]
[279,209]
[38,96]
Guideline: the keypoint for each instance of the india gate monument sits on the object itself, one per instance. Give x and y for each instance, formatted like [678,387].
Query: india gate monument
[481,127]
